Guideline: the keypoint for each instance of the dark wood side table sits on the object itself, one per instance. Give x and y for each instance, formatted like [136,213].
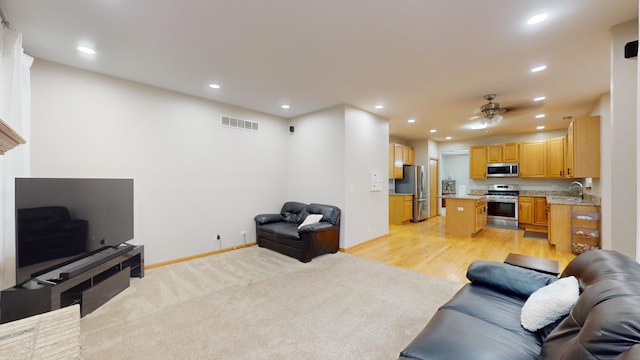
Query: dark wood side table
[551,267]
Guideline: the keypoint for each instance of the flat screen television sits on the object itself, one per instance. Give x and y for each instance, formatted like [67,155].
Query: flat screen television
[59,221]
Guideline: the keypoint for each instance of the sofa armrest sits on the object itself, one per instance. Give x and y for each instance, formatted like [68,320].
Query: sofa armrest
[632,353]
[267,218]
[508,278]
[321,226]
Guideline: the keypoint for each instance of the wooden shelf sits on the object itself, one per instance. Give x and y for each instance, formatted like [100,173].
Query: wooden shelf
[9,138]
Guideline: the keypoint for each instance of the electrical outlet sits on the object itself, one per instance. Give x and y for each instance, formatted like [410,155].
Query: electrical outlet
[243,233]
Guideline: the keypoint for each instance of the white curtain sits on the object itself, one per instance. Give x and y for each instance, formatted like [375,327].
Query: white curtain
[15,105]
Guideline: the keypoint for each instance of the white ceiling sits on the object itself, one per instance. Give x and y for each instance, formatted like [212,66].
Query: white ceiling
[432,60]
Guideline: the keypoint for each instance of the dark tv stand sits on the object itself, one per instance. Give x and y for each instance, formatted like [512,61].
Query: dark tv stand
[91,282]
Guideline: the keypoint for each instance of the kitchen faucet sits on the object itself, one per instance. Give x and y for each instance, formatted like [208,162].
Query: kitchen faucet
[577,184]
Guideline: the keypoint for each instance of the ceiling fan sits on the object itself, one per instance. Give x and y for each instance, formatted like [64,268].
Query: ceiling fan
[488,114]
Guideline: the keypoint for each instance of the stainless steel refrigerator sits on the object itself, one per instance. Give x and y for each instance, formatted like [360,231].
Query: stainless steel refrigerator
[414,182]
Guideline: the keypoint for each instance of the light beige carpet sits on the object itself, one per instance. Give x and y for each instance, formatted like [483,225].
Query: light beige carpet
[254,303]
[52,335]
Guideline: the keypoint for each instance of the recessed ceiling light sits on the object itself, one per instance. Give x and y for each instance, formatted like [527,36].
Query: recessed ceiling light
[86,50]
[411,120]
[537,19]
[540,116]
[285,106]
[448,138]
[379,106]
[539,68]
[539,98]
[539,127]
[214,86]
[433,131]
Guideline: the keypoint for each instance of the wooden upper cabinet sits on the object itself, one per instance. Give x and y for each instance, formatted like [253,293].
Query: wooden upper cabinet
[499,153]
[510,152]
[533,159]
[395,161]
[556,154]
[408,155]
[399,155]
[478,162]
[583,148]
[495,153]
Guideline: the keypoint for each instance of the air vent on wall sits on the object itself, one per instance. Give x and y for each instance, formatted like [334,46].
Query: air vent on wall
[232,122]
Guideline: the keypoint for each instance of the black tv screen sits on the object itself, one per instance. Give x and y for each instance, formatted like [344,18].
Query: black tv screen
[59,221]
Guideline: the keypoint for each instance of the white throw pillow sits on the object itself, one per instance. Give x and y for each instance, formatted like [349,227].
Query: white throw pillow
[311,219]
[549,303]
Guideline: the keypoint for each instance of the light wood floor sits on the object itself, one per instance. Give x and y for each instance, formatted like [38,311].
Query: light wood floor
[425,248]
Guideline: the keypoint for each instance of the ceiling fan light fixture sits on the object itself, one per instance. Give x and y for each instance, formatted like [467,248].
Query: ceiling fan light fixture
[479,125]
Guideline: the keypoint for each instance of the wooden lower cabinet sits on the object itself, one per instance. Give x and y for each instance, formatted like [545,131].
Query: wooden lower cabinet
[532,210]
[540,216]
[560,227]
[525,210]
[400,208]
[465,217]
[574,228]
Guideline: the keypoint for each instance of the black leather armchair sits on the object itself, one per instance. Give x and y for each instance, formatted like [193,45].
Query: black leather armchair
[46,233]
[281,232]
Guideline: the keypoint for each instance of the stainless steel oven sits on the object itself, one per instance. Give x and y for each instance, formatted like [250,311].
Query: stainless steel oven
[502,205]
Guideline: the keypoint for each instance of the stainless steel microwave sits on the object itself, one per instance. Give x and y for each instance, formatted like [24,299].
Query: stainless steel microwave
[502,170]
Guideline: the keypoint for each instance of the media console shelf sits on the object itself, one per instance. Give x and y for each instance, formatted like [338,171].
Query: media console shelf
[90,284]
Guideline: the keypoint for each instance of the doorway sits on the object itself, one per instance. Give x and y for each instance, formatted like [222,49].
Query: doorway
[454,165]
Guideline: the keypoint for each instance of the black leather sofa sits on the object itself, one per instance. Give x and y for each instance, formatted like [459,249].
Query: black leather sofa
[49,232]
[482,321]
[280,232]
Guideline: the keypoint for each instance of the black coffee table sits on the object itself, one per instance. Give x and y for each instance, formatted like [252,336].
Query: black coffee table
[551,267]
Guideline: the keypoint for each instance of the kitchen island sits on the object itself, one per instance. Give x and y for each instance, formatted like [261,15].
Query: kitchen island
[466,214]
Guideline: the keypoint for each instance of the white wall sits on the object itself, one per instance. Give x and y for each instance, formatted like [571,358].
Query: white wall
[602,186]
[455,165]
[623,142]
[366,150]
[193,178]
[336,150]
[315,170]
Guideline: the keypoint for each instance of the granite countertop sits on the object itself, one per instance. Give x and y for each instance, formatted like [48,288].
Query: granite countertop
[571,200]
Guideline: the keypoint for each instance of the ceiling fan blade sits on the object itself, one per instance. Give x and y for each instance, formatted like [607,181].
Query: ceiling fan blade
[524,108]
